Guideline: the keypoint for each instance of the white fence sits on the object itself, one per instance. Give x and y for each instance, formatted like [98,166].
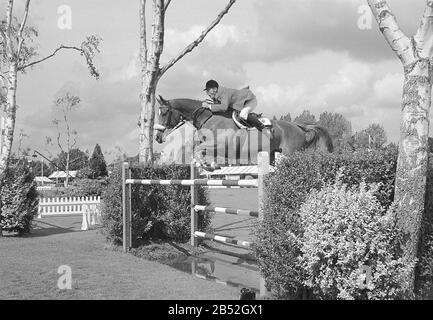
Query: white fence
[64,206]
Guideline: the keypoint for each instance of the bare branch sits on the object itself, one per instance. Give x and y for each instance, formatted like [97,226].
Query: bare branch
[195,43]
[167,3]
[3,36]
[49,56]
[143,36]
[157,32]
[424,35]
[56,122]
[399,42]
[20,31]
[9,26]
[9,10]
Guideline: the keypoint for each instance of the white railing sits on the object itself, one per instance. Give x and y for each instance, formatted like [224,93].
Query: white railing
[44,188]
[63,206]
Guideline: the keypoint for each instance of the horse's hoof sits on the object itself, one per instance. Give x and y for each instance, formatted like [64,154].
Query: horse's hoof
[215,166]
[209,169]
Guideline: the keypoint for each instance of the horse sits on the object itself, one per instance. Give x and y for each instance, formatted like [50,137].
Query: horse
[284,137]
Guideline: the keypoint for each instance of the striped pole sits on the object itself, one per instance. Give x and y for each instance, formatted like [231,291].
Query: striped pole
[196,182]
[126,205]
[228,211]
[218,238]
[194,199]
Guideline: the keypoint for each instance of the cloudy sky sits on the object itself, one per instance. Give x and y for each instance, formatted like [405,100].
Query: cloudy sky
[294,54]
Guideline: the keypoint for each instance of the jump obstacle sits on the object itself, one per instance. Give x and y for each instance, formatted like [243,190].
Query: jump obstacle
[263,169]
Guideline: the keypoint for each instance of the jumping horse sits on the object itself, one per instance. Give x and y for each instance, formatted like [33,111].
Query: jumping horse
[285,137]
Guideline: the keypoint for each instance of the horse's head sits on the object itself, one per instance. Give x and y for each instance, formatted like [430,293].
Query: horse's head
[168,118]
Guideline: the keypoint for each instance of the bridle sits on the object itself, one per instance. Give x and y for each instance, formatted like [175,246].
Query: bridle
[163,128]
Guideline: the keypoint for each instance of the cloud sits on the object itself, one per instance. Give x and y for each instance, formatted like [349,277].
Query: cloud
[289,29]
[389,88]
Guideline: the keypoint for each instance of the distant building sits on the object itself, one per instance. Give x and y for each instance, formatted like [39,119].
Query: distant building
[60,176]
[40,181]
[234,173]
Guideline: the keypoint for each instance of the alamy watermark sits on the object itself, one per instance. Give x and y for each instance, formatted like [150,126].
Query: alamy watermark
[365,21]
[364,280]
[236,146]
[64,22]
[65,280]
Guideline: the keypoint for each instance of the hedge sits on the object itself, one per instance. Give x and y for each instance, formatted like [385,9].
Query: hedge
[158,212]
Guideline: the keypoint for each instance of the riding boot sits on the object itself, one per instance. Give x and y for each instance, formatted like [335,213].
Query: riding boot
[254,120]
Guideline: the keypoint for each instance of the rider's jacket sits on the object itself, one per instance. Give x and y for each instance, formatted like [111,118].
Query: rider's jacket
[233,98]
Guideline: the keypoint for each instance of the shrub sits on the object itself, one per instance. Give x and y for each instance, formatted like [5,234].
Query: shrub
[347,230]
[97,164]
[19,202]
[295,177]
[77,188]
[158,212]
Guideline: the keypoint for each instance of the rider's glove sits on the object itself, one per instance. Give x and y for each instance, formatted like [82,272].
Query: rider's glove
[206,104]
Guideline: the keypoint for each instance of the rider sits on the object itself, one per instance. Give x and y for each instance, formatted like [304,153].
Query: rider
[222,98]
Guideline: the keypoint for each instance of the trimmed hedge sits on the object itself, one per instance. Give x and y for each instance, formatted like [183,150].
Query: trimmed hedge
[80,187]
[158,212]
[19,200]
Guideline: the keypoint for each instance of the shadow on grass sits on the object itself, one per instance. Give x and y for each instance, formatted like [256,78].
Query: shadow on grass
[44,229]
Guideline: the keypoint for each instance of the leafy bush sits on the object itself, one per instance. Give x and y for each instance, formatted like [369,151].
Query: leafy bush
[347,230]
[77,188]
[158,212]
[295,177]
[19,201]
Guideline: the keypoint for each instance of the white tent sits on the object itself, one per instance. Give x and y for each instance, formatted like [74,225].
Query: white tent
[43,180]
[62,174]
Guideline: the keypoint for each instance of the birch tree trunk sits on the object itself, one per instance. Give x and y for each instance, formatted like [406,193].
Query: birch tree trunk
[16,56]
[415,54]
[151,72]
[150,77]
[9,118]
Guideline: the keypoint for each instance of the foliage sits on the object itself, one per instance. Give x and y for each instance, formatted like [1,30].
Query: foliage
[346,231]
[19,202]
[79,187]
[373,137]
[306,117]
[78,160]
[287,117]
[97,163]
[296,176]
[158,212]
[338,126]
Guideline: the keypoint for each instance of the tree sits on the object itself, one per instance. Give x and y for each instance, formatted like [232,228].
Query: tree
[77,160]
[17,55]
[305,117]
[338,126]
[151,72]
[66,104]
[97,163]
[415,53]
[373,137]
[287,117]
[39,166]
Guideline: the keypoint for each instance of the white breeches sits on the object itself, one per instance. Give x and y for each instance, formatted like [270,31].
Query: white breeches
[248,107]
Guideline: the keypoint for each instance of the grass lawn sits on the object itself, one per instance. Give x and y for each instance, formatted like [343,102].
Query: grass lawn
[29,265]
[28,268]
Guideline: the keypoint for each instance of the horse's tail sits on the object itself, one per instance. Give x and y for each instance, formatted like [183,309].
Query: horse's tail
[321,140]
